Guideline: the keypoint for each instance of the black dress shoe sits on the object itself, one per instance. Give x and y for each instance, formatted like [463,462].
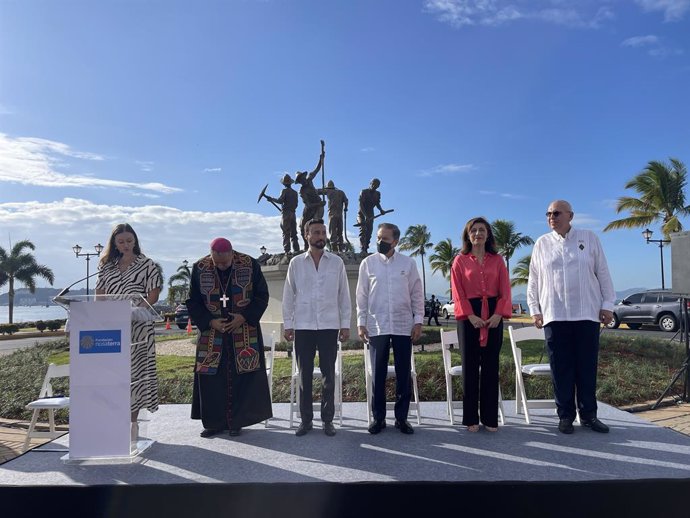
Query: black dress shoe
[304,428]
[329,429]
[234,432]
[566,426]
[595,425]
[377,426]
[404,427]
[210,432]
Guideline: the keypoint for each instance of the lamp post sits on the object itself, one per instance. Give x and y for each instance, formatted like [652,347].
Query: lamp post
[647,234]
[262,250]
[77,251]
[185,263]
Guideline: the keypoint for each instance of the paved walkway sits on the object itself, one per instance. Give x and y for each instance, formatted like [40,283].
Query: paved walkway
[13,435]
[676,417]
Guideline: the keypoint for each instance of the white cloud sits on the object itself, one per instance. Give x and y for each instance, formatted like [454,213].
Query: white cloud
[571,17]
[674,10]
[168,235]
[35,161]
[509,195]
[447,169]
[212,170]
[653,44]
[610,203]
[662,52]
[640,41]
[367,149]
[586,221]
[145,165]
[459,13]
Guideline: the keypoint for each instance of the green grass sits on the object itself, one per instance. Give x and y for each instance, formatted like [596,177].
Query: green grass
[179,336]
[631,370]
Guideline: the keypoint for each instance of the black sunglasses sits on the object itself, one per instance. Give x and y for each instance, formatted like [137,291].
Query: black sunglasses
[554,213]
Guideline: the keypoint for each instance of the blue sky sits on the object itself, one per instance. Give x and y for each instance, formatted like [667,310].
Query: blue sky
[173,115]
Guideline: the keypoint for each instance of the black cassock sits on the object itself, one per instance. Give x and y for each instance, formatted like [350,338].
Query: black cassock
[227,399]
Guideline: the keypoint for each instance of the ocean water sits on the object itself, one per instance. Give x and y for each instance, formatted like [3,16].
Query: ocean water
[31,313]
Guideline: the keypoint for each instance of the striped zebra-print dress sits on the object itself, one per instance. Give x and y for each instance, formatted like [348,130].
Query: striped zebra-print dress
[142,276]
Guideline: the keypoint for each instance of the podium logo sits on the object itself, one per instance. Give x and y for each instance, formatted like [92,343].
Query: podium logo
[100,341]
[86,342]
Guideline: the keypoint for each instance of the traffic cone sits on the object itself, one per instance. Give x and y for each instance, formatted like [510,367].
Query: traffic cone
[189,326]
[167,323]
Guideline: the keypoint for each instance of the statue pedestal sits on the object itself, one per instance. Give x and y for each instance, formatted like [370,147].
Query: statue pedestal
[273,317]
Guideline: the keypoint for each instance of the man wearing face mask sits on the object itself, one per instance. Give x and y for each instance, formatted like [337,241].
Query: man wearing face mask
[390,312]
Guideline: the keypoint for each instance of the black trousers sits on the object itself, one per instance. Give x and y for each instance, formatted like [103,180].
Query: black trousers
[379,351]
[480,370]
[573,349]
[307,342]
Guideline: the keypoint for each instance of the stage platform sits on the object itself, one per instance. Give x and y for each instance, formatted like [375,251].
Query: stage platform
[637,468]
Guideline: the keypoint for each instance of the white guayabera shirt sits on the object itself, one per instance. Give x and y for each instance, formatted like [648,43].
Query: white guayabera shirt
[316,299]
[569,279]
[390,299]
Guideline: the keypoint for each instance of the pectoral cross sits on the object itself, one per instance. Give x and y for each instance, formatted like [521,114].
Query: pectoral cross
[224,299]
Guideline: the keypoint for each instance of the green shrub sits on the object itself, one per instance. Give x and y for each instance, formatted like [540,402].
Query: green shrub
[21,377]
[54,325]
[8,329]
[41,325]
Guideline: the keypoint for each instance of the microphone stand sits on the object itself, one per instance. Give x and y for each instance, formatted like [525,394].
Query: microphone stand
[685,368]
[60,296]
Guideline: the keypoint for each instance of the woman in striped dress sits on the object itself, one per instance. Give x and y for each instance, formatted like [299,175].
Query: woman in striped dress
[124,270]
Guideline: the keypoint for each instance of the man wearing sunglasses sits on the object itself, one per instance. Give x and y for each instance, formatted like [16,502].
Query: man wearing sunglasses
[570,293]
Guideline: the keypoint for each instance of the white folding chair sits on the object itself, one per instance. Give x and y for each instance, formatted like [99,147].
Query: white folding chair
[369,383]
[46,401]
[295,389]
[270,355]
[449,339]
[522,404]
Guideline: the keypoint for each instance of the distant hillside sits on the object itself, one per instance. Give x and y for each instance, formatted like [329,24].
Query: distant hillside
[620,295]
[43,296]
[521,298]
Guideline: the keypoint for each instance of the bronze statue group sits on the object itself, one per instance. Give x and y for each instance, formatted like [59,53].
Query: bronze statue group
[314,201]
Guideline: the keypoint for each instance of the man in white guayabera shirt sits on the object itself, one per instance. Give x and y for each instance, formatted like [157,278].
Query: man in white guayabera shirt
[570,293]
[390,312]
[316,314]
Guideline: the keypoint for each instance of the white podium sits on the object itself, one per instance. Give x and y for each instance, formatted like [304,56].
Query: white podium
[100,424]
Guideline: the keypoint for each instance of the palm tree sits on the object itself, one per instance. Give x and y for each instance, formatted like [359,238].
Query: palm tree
[521,272]
[662,198]
[417,238]
[21,266]
[183,276]
[507,240]
[442,258]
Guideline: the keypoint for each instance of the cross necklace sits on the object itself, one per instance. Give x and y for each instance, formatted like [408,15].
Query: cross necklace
[224,299]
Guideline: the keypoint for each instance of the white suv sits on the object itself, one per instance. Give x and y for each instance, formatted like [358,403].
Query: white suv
[448,310]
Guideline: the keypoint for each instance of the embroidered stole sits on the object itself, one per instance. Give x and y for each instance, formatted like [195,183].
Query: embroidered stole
[245,340]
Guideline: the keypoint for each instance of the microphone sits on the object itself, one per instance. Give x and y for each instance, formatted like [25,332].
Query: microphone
[65,291]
